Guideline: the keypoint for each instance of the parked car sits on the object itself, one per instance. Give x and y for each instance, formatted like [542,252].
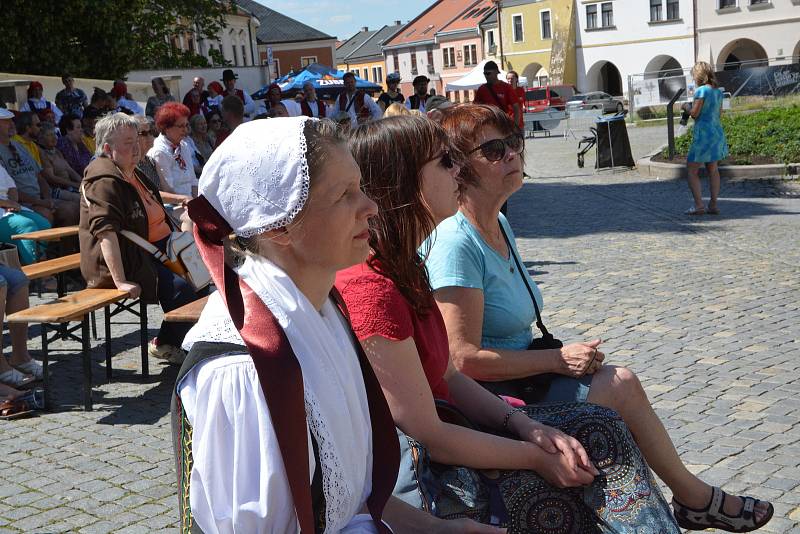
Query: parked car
[596,100]
[550,96]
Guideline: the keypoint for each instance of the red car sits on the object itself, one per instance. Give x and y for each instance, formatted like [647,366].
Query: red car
[550,96]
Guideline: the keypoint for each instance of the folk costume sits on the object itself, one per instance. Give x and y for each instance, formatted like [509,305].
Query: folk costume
[315,108]
[359,106]
[279,423]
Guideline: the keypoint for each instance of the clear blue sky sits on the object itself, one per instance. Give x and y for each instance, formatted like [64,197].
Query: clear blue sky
[343,18]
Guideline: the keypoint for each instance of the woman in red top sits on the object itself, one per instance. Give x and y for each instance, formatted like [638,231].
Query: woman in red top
[409,172]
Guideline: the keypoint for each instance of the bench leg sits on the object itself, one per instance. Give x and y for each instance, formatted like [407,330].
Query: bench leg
[108,340]
[61,286]
[94,326]
[87,364]
[46,369]
[143,337]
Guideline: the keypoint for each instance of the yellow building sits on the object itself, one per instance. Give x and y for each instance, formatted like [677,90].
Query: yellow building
[363,56]
[537,39]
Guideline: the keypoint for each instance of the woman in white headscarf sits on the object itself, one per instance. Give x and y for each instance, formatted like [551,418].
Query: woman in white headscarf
[279,423]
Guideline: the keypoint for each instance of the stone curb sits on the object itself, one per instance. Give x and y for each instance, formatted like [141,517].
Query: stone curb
[672,171]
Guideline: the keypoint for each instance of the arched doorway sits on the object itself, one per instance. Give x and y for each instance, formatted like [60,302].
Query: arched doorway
[604,76]
[669,73]
[742,53]
[531,72]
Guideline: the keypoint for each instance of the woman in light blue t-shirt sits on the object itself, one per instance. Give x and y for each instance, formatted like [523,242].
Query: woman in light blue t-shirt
[488,313]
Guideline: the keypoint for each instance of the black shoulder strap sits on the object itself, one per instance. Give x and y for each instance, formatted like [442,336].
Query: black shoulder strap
[539,323]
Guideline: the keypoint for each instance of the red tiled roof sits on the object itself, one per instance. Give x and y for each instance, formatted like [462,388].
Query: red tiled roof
[433,20]
[470,17]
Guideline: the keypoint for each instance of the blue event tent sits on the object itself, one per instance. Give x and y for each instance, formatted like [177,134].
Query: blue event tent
[327,81]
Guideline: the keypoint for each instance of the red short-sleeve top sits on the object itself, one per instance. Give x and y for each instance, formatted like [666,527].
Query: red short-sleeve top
[377,307]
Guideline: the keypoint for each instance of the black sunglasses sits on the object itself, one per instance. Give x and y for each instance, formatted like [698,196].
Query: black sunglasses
[496,149]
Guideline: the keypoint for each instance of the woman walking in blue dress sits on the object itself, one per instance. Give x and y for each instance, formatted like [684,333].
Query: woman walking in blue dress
[708,143]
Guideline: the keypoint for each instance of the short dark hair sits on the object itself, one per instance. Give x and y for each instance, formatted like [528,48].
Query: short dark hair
[91,112]
[490,65]
[65,76]
[23,121]
[348,75]
[232,104]
[66,123]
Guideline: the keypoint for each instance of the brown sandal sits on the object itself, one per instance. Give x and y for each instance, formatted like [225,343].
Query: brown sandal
[14,409]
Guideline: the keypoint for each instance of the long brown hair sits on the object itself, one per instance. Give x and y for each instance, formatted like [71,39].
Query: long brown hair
[391,153]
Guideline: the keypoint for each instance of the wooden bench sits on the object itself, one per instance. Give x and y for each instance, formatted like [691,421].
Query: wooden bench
[188,313]
[76,308]
[51,234]
[46,268]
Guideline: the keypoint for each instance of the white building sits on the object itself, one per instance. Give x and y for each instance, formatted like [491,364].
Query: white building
[733,33]
[620,38]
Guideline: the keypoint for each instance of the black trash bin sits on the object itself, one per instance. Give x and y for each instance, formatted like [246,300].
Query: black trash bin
[613,145]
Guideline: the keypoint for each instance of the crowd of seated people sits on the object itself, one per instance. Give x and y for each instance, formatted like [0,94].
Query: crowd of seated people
[386,223]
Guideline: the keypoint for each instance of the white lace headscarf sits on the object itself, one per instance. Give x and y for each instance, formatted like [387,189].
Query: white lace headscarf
[258,178]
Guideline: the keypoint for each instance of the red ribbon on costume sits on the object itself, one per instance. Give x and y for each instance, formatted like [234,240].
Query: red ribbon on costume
[281,378]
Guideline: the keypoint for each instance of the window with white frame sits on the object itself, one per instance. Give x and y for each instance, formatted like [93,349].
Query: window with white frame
[414,62]
[656,10]
[727,3]
[516,21]
[305,61]
[756,2]
[470,55]
[673,9]
[366,74]
[449,57]
[490,38]
[591,16]
[547,29]
[607,11]
[244,55]
[377,74]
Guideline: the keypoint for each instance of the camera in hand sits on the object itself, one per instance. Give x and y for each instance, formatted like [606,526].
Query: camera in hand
[685,114]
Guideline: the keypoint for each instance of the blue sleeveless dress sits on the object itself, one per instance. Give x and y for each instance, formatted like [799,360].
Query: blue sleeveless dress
[708,141]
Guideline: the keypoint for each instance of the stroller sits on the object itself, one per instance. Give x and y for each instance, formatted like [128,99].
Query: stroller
[609,136]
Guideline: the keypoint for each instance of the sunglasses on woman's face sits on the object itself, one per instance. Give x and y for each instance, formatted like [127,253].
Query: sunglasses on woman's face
[496,149]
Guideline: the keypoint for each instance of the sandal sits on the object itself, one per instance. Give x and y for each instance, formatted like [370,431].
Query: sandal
[31,367]
[713,516]
[14,409]
[712,211]
[15,379]
[695,211]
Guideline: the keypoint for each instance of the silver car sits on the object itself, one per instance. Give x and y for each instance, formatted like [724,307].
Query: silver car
[596,100]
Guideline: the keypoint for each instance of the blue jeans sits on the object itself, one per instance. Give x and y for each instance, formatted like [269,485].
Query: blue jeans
[173,292]
[13,279]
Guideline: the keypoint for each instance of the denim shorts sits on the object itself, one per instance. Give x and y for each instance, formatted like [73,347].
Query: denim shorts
[13,279]
[568,389]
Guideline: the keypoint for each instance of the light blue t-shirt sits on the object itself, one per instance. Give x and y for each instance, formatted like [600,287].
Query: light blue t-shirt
[460,257]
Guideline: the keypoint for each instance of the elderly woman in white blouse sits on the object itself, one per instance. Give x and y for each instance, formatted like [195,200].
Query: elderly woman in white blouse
[172,152]
[279,423]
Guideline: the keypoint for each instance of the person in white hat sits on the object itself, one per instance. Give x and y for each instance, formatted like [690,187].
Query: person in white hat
[279,423]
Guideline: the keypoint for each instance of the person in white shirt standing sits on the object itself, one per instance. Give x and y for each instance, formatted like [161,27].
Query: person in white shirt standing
[357,103]
[420,96]
[311,105]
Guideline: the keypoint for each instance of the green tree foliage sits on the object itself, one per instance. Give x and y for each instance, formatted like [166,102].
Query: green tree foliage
[103,39]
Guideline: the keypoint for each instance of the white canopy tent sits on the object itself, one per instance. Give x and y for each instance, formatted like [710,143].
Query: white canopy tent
[475,79]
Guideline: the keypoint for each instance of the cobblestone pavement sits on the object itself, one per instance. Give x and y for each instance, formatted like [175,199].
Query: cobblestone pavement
[705,310]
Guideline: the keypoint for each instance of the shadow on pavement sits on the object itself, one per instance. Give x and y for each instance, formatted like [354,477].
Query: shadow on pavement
[565,209]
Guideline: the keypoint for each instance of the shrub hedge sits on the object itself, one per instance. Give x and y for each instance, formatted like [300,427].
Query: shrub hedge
[772,133]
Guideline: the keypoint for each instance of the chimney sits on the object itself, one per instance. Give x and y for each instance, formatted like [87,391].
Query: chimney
[364,28]
[397,23]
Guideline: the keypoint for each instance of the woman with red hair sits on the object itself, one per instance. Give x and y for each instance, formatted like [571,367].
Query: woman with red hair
[172,152]
[37,103]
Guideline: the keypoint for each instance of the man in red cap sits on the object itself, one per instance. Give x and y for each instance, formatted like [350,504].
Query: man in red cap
[229,79]
[36,103]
